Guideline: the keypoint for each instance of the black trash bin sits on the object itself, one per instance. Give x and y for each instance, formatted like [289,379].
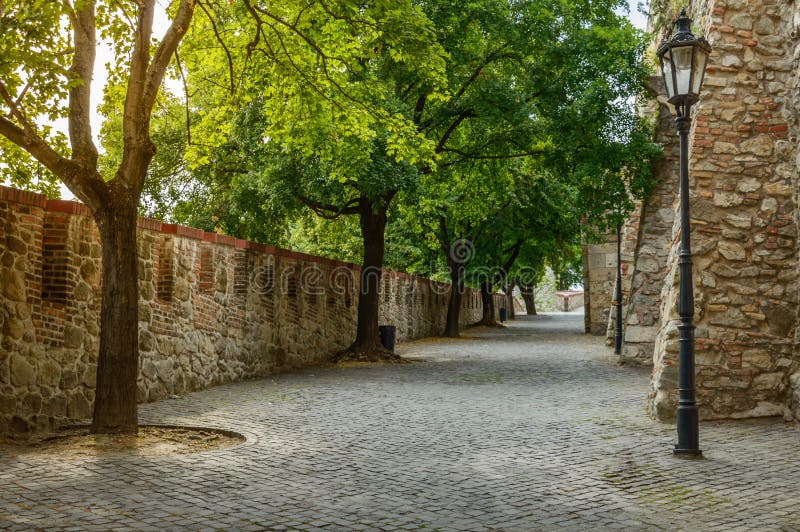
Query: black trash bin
[387,334]
[503,314]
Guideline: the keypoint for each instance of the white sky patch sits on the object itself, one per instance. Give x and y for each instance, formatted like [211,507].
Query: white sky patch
[637,18]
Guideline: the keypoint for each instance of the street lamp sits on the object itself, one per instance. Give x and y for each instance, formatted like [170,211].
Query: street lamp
[683,62]
[618,295]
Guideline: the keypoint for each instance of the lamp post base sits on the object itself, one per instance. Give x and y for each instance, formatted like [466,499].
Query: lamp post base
[687,453]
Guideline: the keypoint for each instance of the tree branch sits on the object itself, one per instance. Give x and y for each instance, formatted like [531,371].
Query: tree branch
[404,93]
[324,58]
[467,155]
[387,198]
[22,93]
[15,110]
[161,58]
[34,145]
[418,108]
[185,100]
[296,30]
[445,239]
[493,56]
[79,124]
[348,20]
[331,212]
[86,183]
[222,44]
[134,124]
[506,267]
[463,115]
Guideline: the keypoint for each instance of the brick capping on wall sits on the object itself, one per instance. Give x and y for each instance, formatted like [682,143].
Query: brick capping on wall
[25,197]
[35,199]
[569,300]
[209,310]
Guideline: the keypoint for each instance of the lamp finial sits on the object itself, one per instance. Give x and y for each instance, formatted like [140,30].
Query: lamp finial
[683,27]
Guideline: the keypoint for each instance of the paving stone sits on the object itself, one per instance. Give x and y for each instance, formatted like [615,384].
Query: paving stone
[528,427]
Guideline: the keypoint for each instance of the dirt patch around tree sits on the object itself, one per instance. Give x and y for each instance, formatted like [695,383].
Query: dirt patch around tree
[152,440]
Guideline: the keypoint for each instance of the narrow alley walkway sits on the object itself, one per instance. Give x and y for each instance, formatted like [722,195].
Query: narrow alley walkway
[528,427]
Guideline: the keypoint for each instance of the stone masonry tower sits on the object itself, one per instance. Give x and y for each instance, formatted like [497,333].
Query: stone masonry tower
[743,187]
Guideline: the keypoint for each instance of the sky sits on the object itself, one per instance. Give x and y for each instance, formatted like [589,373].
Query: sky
[105,55]
[636,17]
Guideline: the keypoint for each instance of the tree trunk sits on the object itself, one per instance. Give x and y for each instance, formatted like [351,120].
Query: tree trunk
[456,254]
[509,290]
[451,328]
[561,282]
[113,203]
[528,292]
[118,365]
[487,299]
[367,345]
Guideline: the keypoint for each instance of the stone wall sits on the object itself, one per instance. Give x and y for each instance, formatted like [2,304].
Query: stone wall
[652,224]
[599,276]
[743,187]
[630,237]
[789,150]
[213,309]
[569,300]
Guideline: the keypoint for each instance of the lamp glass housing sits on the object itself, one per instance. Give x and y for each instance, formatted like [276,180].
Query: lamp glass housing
[683,63]
[700,59]
[666,72]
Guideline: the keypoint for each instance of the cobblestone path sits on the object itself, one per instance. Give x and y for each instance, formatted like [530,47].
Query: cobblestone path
[531,427]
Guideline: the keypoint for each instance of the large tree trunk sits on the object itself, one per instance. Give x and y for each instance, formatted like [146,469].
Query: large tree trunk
[367,345]
[528,292]
[118,365]
[451,328]
[456,254]
[561,282]
[487,300]
[114,202]
[509,290]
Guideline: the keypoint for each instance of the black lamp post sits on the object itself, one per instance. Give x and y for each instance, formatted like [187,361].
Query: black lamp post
[618,295]
[683,63]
